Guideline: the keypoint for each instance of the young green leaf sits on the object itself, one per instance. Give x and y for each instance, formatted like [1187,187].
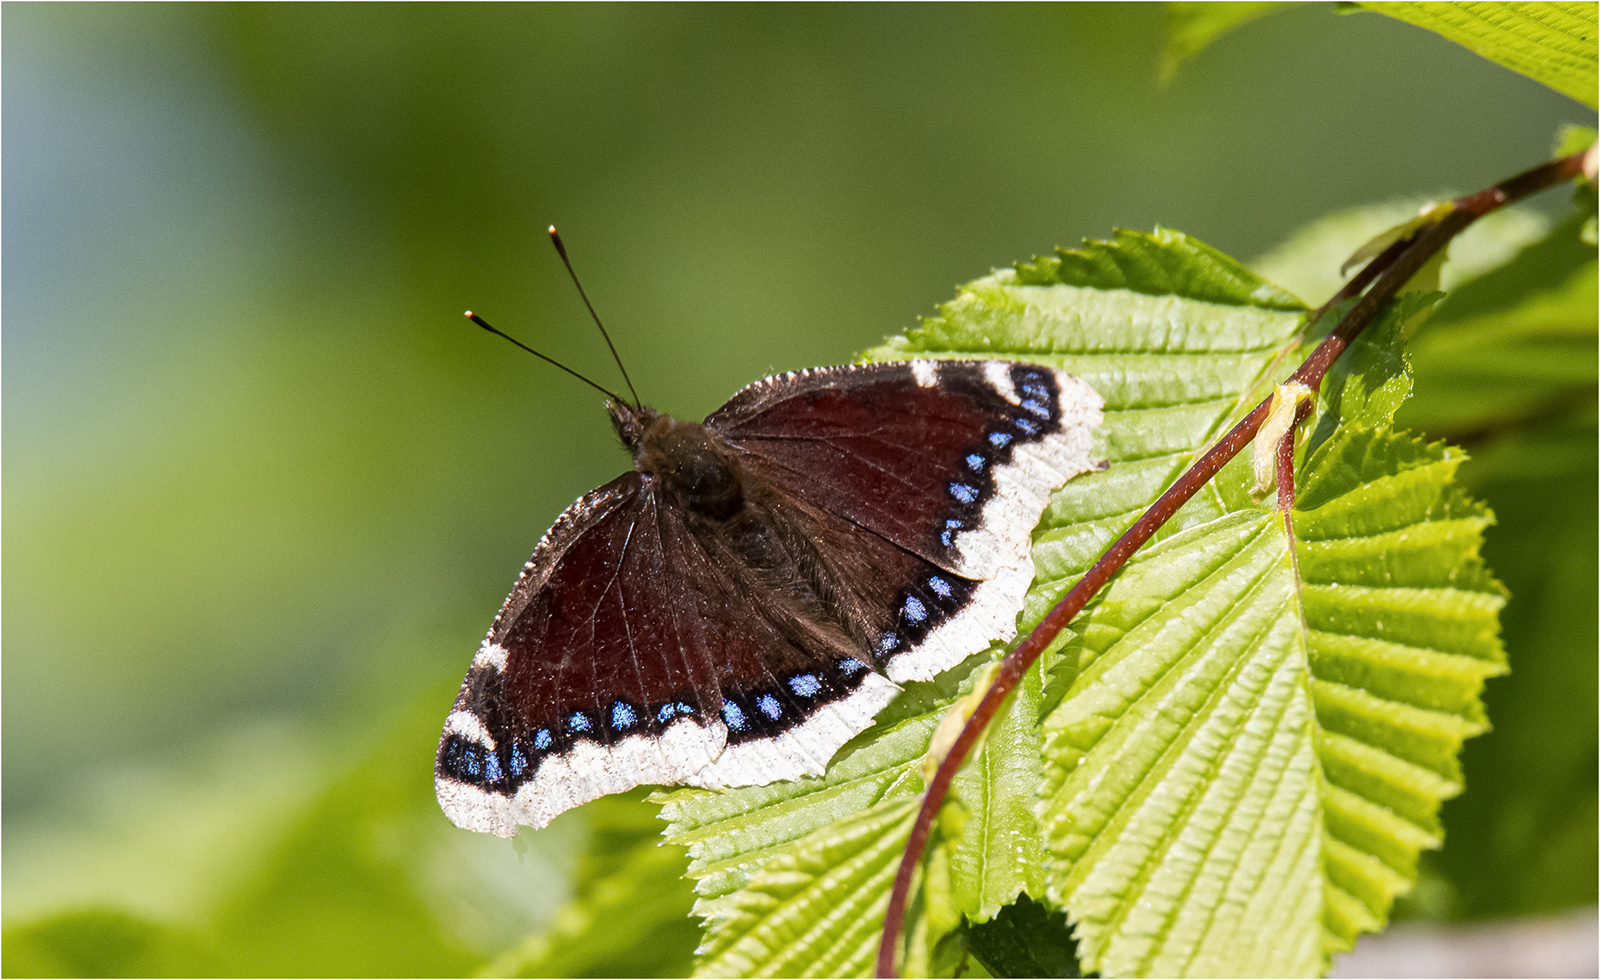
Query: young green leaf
[1508,364]
[1552,43]
[1191,27]
[1373,377]
[1402,630]
[1181,806]
[1258,743]
[1002,857]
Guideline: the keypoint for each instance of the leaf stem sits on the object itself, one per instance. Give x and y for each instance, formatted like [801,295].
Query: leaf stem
[1387,274]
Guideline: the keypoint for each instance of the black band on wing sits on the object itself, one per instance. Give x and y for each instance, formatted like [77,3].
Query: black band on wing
[767,710]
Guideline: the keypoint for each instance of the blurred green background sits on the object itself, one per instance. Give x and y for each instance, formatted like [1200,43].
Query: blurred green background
[265,488]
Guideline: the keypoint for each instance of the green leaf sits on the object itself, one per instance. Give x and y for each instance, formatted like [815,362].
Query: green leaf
[1181,806]
[1244,754]
[1159,263]
[1191,27]
[815,909]
[1513,343]
[1552,43]
[1521,296]
[1402,621]
[1003,856]
[631,913]
[1098,313]
[731,833]
[1368,383]
[1027,939]
[1243,748]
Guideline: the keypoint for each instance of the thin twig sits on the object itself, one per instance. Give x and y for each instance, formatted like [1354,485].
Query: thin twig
[1387,274]
[1285,468]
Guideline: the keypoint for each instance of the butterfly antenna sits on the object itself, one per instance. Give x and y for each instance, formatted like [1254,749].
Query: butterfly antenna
[480,321]
[562,251]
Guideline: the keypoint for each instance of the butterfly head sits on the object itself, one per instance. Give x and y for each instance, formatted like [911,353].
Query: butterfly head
[691,461]
[630,422]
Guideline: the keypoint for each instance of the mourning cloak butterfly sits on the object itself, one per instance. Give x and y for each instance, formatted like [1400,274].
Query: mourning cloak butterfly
[741,604]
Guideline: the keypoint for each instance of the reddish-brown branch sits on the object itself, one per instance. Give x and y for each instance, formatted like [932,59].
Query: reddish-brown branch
[1386,274]
[1285,465]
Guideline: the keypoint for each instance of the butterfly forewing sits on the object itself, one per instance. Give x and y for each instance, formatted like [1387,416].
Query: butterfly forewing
[951,461]
[915,450]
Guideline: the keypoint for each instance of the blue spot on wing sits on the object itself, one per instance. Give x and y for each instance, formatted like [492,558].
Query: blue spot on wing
[665,714]
[975,462]
[519,761]
[805,685]
[769,706]
[579,722]
[1027,425]
[914,609]
[1000,439]
[850,666]
[491,768]
[734,716]
[939,586]
[623,716]
[964,492]
[1036,407]
[542,739]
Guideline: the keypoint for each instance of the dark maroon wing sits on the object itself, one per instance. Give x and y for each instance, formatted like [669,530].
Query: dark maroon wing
[948,462]
[593,678]
[625,656]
